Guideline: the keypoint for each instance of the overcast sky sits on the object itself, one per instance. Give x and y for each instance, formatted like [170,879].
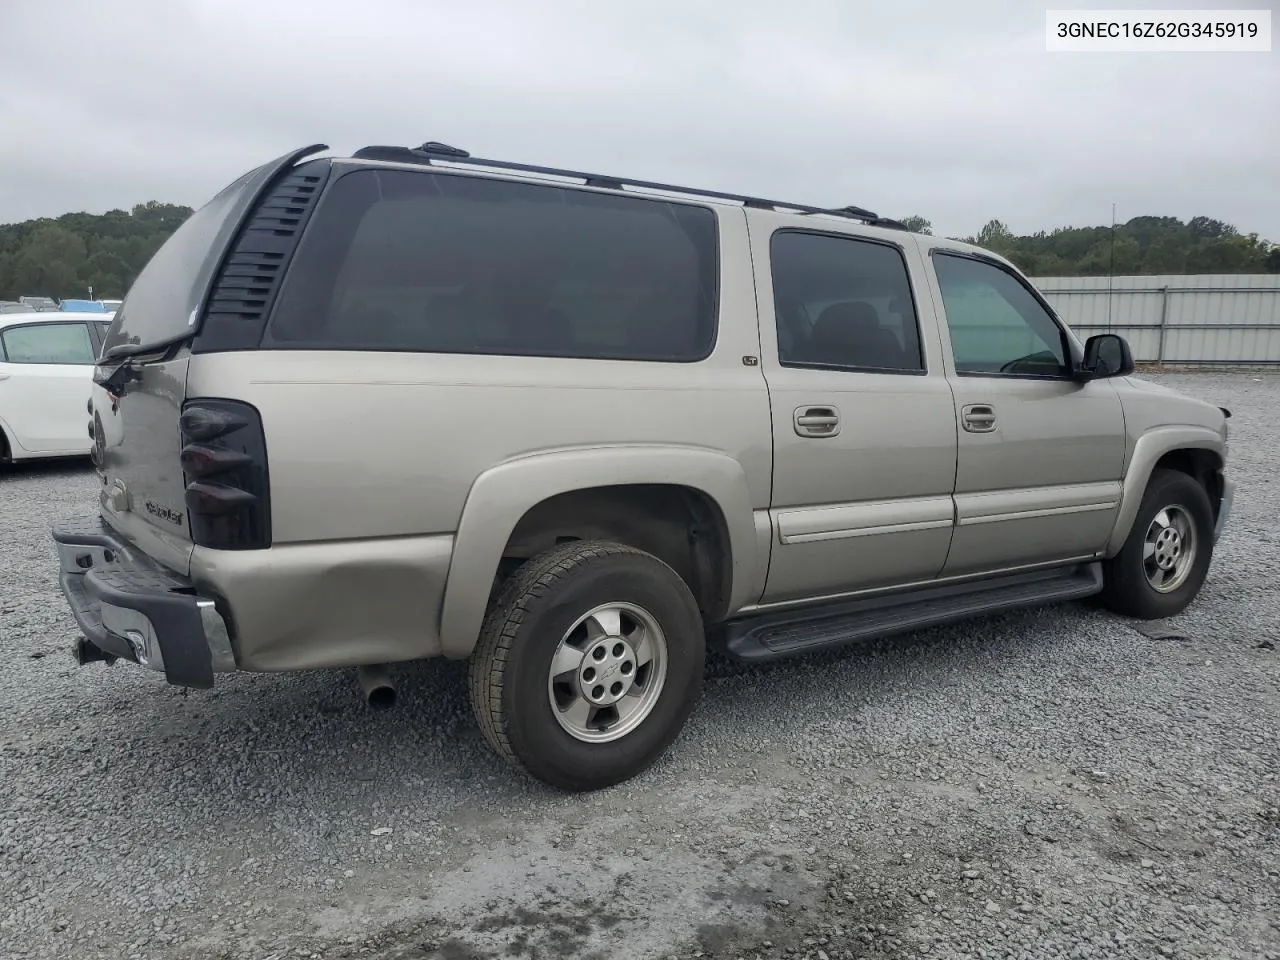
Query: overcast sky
[952,110]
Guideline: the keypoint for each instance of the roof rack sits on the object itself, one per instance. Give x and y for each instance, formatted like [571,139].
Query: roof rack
[433,151]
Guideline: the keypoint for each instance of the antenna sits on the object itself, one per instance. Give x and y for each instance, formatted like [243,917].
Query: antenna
[1111,269]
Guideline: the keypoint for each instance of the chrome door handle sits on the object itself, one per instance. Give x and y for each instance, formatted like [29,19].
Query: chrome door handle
[817,421]
[979,418]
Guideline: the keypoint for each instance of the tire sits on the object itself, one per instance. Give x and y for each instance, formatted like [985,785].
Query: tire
[1129,578]
[523,711]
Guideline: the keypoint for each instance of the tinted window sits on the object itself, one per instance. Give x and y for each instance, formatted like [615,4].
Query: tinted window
[400,260]
[99,330]
[159,304]
[997,325]
[842,302]
[48,343]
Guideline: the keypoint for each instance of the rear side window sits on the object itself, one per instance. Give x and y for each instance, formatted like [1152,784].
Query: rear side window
[843,303]
[47,343]
[398,260]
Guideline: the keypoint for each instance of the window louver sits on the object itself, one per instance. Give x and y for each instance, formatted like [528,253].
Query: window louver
[237,308]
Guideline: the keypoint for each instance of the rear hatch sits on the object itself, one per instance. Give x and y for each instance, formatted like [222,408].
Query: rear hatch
[140,379]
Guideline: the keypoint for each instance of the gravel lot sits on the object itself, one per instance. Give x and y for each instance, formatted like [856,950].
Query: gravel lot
[1048,784]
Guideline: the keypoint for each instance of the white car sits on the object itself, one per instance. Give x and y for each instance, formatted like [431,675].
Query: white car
[46,374]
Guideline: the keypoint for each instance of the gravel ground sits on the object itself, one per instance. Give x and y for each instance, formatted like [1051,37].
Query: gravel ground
[1041,785]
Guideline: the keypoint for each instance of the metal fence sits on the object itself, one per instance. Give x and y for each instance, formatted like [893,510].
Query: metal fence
[1210,318]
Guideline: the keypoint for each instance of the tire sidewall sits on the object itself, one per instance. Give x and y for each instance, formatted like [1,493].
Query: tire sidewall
[546,749]
[1170,490]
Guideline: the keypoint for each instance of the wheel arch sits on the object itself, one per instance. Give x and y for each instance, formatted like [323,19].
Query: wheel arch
[645,496]
[6,443]
[1195,451]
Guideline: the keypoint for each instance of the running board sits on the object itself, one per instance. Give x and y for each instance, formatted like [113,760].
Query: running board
[769,636]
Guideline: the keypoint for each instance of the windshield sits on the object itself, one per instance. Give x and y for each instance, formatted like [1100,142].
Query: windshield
[161,304]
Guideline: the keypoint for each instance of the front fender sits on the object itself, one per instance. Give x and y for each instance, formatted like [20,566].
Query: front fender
[1148,450]
[503,494]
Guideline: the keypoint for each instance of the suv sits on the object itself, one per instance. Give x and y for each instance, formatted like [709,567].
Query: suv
[410,403]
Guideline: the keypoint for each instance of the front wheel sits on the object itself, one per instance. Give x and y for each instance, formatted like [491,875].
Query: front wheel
[1165,559]
[589,663]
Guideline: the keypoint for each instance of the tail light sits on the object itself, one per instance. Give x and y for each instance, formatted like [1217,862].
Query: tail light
[224,465]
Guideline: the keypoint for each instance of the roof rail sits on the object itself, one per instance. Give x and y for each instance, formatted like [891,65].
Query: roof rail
[858,213]
[432,151]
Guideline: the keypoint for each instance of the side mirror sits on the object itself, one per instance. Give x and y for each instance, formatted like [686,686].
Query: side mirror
[1106,355]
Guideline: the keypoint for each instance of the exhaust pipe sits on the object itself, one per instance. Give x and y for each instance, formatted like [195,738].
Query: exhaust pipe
[379,689]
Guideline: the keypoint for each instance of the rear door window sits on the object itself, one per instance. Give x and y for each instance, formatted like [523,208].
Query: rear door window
[47,343]
[400,260]
[843,303]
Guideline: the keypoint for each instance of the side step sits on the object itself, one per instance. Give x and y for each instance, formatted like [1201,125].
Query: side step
[769,636]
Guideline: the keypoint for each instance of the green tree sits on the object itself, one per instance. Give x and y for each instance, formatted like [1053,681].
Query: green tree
[1143,245]
[994,232]
[1206,228]
[52,258]
[63,257]
[917,224]
[1123,256]
[1166,254]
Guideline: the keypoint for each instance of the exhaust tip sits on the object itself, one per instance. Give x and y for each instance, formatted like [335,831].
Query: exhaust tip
[379,689]
[381,698]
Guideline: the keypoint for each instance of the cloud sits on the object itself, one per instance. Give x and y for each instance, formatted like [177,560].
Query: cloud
[953,111]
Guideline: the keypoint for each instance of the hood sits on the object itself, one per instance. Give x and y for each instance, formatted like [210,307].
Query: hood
[1149,386]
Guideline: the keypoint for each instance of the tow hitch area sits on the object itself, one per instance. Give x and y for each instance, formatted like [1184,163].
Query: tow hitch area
[83,652]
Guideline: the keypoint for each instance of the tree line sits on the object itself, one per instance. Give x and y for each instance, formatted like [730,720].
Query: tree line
[1137,247]
[66,256]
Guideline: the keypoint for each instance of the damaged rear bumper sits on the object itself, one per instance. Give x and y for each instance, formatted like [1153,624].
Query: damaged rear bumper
[129,607]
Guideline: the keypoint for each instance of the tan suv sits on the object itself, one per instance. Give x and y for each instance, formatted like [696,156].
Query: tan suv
[410,404]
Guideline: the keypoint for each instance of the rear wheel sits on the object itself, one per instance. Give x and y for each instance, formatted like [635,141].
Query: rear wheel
[590,662]
[1165,559]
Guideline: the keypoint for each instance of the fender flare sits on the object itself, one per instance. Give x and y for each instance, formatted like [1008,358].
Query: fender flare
[1151,446]
[500,496]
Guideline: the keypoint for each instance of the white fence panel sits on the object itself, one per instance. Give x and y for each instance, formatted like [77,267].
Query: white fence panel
[1210,318]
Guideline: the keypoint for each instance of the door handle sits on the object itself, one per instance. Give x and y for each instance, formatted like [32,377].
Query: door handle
[979,418]
[817,421]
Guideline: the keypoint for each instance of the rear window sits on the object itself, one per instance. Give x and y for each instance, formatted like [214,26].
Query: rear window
[160,304]
[399,260]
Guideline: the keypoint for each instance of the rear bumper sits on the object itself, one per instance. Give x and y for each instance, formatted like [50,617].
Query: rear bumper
[130,607]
